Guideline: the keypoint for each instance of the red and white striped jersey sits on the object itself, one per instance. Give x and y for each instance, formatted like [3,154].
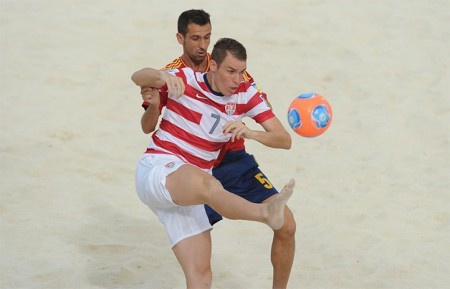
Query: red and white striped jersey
[238,144]
[192,125]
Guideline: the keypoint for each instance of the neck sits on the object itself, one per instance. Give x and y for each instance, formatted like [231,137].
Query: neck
[194,65]
[211,82]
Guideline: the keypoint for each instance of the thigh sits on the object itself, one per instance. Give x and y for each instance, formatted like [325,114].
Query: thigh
[252,185]
[180,222]
[189,185]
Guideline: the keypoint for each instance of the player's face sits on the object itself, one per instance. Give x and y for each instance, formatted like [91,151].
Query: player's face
[228,75]
[196,42]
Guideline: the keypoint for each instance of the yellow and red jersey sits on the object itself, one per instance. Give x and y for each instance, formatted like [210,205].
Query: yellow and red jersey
[179,63]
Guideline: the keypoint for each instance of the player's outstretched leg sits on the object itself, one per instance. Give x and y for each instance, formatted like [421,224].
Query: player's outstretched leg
[276,207]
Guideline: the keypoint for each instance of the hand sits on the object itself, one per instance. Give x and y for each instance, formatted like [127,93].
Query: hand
[150,95]
[175,85]
[237,129]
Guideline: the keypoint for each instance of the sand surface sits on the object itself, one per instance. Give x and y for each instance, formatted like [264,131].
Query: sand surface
[372,200]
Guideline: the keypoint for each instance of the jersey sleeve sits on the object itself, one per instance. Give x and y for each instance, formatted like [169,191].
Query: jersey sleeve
[248,78]
[257,107]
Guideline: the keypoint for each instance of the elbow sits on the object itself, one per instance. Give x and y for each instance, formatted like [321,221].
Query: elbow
[148,130]
[284,142]
[287,144]
[134,78]
[139,75]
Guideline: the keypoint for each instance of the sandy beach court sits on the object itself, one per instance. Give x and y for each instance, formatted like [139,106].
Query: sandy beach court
[372,200]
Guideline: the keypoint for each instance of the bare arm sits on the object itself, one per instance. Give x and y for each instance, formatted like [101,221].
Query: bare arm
[150,77]
[151,115]
[150,80]
[275,135]
[149,119]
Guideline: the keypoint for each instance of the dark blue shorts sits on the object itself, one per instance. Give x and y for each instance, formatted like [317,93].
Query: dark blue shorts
[239,174]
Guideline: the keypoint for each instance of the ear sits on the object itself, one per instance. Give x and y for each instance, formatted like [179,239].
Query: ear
[180,38]
[213,65]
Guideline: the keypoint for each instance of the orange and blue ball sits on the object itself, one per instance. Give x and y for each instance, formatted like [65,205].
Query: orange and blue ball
[310,115]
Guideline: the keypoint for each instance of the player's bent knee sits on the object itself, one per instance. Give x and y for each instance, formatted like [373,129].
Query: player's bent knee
[289,227]
[210,185]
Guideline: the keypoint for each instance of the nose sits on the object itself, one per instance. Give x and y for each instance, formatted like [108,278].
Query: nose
[203,44]
[235,79]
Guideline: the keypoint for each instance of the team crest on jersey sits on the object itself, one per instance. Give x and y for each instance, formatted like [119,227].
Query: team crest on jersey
[230,108]
[169,165]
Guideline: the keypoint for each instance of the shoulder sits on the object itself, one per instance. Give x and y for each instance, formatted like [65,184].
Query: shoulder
[248,77]
[176,63]
[247,88]
[186,73]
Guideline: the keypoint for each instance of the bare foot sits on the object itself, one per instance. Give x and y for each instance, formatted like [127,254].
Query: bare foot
[275,217]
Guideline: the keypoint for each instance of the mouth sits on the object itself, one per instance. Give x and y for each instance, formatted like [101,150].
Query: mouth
[201,53]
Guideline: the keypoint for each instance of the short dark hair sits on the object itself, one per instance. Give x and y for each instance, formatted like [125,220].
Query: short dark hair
[196,16]
[228,45]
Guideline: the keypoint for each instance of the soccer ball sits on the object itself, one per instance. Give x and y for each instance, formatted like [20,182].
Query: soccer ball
[309,115]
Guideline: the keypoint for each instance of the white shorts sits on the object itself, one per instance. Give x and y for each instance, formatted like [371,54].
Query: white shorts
[180,221]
